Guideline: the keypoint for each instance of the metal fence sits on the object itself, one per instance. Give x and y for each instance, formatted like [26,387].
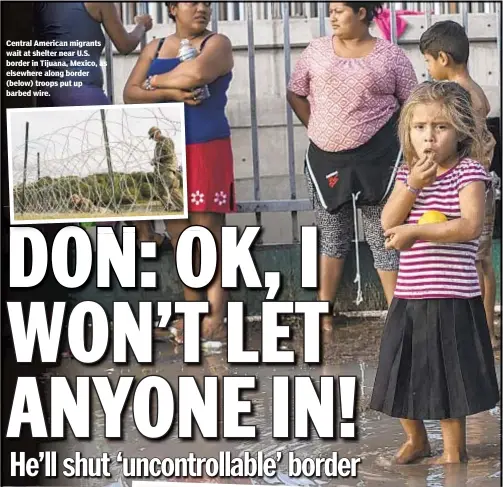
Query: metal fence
[253,11]
[229,11]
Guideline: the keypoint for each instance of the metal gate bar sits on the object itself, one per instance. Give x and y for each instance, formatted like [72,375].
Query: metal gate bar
[109,70]
[322,8]
[253,109]
[214,16]
[143,9]
[289,120]
[427,14]
[497,6]
[392,29]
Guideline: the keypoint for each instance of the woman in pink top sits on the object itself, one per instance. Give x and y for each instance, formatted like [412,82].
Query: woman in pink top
[347,90]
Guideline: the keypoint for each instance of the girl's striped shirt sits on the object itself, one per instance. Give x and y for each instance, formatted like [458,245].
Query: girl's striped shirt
[440,270]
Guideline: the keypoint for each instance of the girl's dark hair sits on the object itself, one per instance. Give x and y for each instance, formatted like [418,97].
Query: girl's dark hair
[373,9]
[170,4]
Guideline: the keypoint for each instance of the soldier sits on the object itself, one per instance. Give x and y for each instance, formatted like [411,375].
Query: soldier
[168,179]
[79,203]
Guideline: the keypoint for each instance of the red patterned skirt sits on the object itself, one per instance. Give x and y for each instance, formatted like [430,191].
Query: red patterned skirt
[210,177]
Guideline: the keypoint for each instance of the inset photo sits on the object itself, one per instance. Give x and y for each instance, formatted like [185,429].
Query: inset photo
[97,163]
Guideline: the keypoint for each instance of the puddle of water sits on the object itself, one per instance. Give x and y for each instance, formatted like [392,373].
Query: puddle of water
[379,435]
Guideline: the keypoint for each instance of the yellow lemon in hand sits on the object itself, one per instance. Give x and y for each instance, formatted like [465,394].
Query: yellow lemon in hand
[432,216]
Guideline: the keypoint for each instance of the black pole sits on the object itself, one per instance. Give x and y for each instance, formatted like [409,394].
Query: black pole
[109,157]
[23,196]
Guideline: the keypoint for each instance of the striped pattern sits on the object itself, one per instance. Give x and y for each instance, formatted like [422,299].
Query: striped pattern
[440,270]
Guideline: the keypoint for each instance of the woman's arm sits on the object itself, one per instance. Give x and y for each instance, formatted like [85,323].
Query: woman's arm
[135,93]
[124,41]
[405,76]
[215,60]
[300,105]
[299,88]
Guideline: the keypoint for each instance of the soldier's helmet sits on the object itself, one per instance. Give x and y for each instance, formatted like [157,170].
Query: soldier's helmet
[152,131]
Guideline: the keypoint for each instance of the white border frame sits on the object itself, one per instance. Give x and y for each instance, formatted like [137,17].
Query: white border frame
[124,218]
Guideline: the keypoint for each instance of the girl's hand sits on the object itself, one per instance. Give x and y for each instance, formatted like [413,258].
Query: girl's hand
[402,237]
[423,172]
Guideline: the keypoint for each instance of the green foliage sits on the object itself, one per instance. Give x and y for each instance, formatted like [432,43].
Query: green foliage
[50,194]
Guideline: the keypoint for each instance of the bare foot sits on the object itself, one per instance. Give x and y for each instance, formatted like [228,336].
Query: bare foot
[496,343]
[410,452]
[330,322]
[327,324]
[212,329]
[448,459]
[175,330]
[162,335]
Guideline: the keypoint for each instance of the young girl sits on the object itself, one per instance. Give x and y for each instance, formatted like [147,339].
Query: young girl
[436,360]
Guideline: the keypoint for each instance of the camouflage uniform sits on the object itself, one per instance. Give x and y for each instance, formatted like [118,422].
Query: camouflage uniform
[85,205]
[167,177]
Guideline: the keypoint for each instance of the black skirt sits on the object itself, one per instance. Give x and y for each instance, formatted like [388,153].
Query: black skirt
[436,360]
[367,170]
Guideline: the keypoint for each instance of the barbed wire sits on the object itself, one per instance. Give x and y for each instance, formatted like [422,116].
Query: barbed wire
[101,166]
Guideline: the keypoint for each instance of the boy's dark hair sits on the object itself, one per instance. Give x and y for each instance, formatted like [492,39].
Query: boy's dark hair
[446,36]
[372,8]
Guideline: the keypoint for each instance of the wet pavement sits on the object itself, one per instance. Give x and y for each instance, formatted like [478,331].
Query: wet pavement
[352,351]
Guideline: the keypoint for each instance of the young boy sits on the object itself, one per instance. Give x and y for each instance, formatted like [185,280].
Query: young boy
[446,48]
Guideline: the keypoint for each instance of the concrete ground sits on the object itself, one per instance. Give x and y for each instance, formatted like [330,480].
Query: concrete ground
[353,351]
